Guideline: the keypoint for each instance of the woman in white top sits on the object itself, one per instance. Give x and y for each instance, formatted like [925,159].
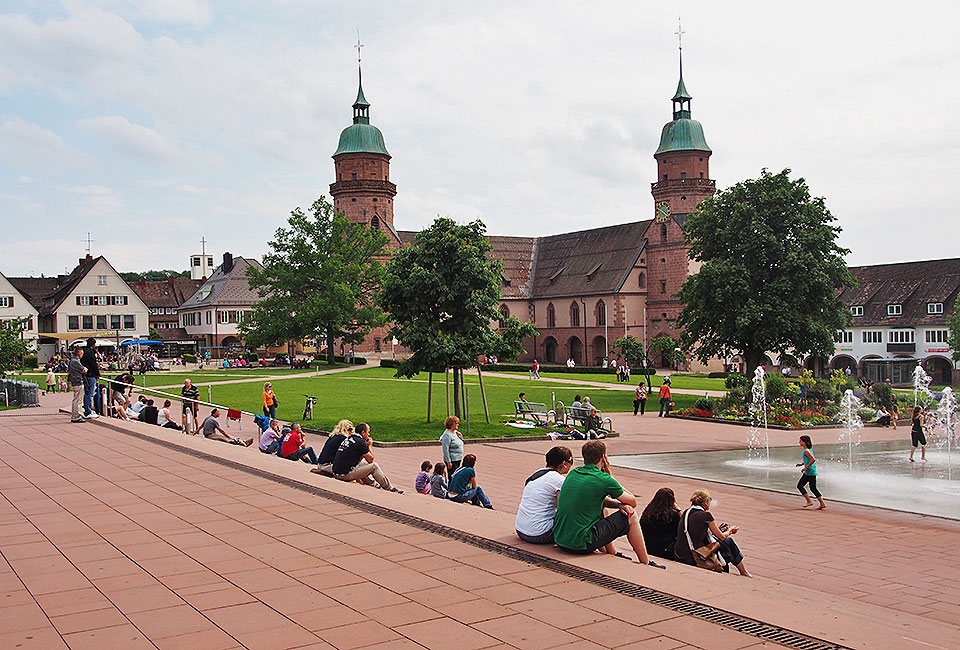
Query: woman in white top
[165,419]
[538,505]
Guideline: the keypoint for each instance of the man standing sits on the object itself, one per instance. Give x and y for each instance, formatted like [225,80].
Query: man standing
[580,526]
[354,462]
[76,372]
[211,429]
[189,395]
[89,361]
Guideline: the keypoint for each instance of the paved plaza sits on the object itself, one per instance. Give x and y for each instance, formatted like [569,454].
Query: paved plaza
[124,535]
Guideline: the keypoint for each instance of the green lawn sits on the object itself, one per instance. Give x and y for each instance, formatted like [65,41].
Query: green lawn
[396,408]
[683,382]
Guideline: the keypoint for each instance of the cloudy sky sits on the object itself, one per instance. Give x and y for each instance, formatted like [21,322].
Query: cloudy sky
[153,123]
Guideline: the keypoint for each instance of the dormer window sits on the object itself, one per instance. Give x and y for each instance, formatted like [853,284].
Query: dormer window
[556,275]
[894,310]
[934,307]
[857,310]
[593,270]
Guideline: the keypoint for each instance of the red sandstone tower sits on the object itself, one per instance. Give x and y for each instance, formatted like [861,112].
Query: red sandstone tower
[683,181]
[363,191]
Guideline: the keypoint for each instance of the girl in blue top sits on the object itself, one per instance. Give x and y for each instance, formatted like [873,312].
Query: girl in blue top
[809,476]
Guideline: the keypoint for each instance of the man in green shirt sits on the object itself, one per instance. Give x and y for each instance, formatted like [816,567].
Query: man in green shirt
[580,526]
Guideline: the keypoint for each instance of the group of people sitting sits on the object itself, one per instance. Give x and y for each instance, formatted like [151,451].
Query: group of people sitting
[345,455]
[584,509]
[456,477]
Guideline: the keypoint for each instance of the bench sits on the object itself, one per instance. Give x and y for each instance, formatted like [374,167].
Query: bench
[578,414]
[534,410]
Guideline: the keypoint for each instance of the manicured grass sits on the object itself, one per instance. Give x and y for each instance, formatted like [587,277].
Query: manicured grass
[396,408]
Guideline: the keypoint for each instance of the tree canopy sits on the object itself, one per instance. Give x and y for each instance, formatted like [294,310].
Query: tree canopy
[318,280]
[133,276]
[953,332]
[769,276]
[442,294]
[12,346]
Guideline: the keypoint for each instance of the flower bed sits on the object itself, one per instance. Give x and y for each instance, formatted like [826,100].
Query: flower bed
[778,415]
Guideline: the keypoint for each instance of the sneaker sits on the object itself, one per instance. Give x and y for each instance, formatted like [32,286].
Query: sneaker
[77,420]
[93,415]
[397,490]
[248,442]
[655,565]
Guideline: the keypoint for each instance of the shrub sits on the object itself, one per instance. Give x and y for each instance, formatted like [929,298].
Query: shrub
[717,375]
[253,357]
[821,392]
[30,361]
[881,394]
[704,404]
[189,358]
[776,387]
[736,380]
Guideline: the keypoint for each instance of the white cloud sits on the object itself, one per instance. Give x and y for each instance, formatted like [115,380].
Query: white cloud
[30,147]
[94,200]
[188,12]
[130,139]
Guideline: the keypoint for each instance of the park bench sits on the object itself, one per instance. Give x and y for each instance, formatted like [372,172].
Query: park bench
[534,410]
[578,415]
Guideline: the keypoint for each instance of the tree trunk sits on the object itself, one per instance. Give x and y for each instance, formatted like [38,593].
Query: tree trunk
[330,346]
[483,395]
[429,394]
[456,392]
[463,394]
[752,359]
[446,379]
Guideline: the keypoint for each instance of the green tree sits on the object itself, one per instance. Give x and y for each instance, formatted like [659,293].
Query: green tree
[666,347]
[769,276]
[509,344]
[153,276]
[442,295]
[318,280]
[153,334]
[12,346]
[953,332]
[631,349]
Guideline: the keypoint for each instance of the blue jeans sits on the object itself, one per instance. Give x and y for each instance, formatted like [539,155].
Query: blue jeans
[474,496]
[306,451]
[89,386]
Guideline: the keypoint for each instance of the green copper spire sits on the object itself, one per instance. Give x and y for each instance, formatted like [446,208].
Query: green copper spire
[683,133]
[361,136]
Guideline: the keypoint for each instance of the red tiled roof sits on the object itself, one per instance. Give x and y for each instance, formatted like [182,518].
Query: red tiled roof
[171,292]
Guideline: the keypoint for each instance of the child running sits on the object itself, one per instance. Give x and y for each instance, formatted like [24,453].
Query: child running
[809,476]
[423,478]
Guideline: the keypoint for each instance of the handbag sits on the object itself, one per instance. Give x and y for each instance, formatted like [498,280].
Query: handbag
[704,556]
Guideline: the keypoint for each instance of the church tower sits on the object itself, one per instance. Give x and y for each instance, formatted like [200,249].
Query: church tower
[683,160]
[683,181]
[362,190]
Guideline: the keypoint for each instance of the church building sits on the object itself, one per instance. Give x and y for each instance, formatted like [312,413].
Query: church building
[581,289]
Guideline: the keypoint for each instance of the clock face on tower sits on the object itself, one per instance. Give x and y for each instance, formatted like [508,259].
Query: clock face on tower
[662,211]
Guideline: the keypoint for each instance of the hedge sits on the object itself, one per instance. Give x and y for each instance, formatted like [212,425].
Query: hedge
[525,367]
[189,358]
[30,361]
[717,375]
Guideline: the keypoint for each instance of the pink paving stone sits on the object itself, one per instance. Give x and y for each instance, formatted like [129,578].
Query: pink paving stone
[357,635]
[474,611]
[525,632]
[444,633]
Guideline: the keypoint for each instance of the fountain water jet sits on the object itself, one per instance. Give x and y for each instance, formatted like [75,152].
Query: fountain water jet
[758,413]
[852,424]
[921,386]
[946,419]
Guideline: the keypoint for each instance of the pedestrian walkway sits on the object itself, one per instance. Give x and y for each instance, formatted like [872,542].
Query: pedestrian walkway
[103,550]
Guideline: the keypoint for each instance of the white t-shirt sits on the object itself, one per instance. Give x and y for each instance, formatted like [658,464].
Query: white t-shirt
[538,505]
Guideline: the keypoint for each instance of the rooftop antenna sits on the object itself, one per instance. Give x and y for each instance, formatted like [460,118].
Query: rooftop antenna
[89,242]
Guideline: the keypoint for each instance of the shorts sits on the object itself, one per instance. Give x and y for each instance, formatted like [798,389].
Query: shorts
[119,398]
[605,531]
[542,538]
[190,406]
[918,438]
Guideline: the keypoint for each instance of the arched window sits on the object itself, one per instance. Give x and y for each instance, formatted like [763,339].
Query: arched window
[574,314]
[551,316]
[663,231]
[375,222]
[601,313]
[641,281]
[504,314]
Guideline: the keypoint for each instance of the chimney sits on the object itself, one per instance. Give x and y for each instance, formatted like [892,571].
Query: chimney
[227,263]
[143,282]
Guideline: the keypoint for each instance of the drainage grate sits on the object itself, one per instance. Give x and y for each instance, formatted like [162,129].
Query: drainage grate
[709,613]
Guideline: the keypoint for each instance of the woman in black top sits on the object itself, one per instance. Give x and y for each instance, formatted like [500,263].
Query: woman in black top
[659,523]
[916,434]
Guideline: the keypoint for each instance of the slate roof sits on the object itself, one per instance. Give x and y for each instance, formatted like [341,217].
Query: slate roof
[171,292]
[225,289]
[46,294]
[587,262]
[910,284]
